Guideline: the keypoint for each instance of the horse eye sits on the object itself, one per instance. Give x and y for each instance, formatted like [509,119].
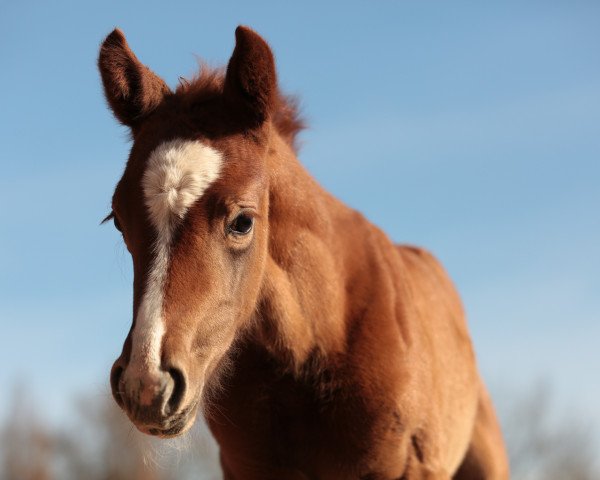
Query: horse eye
[117,224]
[241,225]
[113,217]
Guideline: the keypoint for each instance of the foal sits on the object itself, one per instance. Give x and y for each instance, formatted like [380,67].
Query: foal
[316,348]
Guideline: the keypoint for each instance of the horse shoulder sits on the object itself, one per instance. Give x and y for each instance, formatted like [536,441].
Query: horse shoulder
[444,345]
[431,289]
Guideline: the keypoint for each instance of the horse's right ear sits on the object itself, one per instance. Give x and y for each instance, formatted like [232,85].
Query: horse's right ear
[131,89]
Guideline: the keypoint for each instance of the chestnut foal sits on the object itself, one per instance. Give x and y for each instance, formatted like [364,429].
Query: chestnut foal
[316,348]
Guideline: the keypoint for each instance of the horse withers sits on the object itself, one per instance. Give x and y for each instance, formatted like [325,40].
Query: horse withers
[314,346]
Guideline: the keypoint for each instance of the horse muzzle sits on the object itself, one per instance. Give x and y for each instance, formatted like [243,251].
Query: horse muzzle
[153,400]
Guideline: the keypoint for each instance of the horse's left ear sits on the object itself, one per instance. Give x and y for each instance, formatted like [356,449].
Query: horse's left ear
[251,80]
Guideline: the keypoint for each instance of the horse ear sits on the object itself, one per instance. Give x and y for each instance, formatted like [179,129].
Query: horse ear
[251,80]
[131,89]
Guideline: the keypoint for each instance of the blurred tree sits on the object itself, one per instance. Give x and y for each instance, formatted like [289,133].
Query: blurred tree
[545,446]
[99,443]
[27,449]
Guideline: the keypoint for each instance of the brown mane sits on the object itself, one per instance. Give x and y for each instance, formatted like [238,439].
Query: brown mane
[208,83]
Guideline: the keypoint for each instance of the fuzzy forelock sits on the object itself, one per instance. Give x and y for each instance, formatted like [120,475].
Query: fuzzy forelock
[209,82]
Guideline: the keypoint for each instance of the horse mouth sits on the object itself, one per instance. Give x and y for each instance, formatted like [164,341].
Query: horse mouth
[171,427]
[170,432]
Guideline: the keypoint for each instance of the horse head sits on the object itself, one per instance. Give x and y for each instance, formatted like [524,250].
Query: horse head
[192,206]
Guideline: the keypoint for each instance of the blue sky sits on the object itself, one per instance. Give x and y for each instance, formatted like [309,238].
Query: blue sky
[470,128]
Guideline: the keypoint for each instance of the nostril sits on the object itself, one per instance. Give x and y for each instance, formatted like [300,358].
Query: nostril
[115,384]
[179,386]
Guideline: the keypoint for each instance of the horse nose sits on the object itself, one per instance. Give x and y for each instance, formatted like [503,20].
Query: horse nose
[178,392]
[116,373]
[148,396]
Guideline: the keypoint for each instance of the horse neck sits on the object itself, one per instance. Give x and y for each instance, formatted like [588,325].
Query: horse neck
[304,299]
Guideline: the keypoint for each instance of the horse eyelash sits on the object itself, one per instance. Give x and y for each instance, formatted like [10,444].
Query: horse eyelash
[110,216]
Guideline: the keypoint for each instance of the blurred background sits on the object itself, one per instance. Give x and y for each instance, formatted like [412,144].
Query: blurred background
[472,129]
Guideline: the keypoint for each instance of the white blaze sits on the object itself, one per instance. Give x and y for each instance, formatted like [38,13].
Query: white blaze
[177,173]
